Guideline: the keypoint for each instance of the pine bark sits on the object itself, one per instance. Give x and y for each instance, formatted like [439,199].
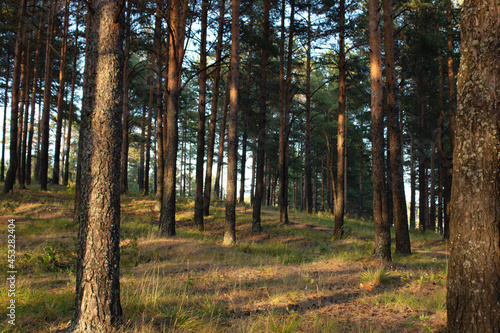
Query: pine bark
[394,133]
[60,96]
[473,300]
[382,227]
[159,107]
[178,11]
[44,127]
[308,172]
[148,132]
[338,230]
[261,124]
[97,302]
[213,115]
[232,132]
[222,134]
[4,129]
[200,147]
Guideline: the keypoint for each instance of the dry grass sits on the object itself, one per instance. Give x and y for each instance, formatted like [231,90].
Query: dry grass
[286,279]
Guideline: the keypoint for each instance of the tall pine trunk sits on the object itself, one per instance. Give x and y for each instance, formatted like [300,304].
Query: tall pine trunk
[97,301]
[382,227]
[60,96]
[394,133]
[4,129]
[232,132]
[200,147]
[126,110]
[473,298]
[159,107]
[309,202]
[44,126]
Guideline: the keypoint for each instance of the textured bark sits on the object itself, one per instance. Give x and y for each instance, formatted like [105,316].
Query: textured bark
[261,150]
[70,117]
[308,172]
[44,126]
[232,132]
[246,112]
[394,133]
[213,116]
[126,110]
[140,173]
[382,227]
[285,117]
[148,132]
[60,96]
[473,297]
[200,148]
[97,302]
[23,121]
[338,230]
[412,186]
[178,11]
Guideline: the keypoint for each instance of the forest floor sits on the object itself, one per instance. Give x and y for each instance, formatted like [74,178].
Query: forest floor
[293,278]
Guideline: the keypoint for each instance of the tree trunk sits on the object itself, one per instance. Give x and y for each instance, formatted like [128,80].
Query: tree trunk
[422,179]
[432,211]
[148,134]
[159,167]
[60,95]
[125,111]
[412,186]
[200,148]
[213,115]
[309,203]
[403,244]
[97,302]
[246,113]
[261,150]
[382,227]
[222,134]
[140,173]
[254,162]
[44,128]
[70,117]
[232,132]
[338,230]
[178,11]
[24,119]
[5,102]
[473,300]
[285,119]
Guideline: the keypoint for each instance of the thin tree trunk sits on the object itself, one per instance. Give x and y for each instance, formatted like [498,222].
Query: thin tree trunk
[232,133]
[382,227]
[213,115]
[70,117]
[148,134]
[178,11]
[4,130]
[220,156]
[24,119]
[432,211]
[403,244]
[98,256]
[422,179]
[309,203]
[60,96]
[44,130]
[159,151]
[126,110]
[246,113]
[140,174]
[261,149]
[254,162]
[200,148]
[338,230]
[412,186]
[284,120]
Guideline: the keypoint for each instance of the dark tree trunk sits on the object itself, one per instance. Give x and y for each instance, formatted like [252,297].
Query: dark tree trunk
[261,150]
[213,115]
[24,117]
[254,162]
[159,151]
[285,120]
[338,230]
[178,11]
[394,133]
[140,174]
[413,182]
[60,96]
[232,132]
[432,196]
[422,177]
[70,117]
[222,134]
[246,113]
[4,129]
[97,301]
[148,132]
[473,298]
[200,148]
[309,203]
[44,126]
[125,111]
[382,227]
